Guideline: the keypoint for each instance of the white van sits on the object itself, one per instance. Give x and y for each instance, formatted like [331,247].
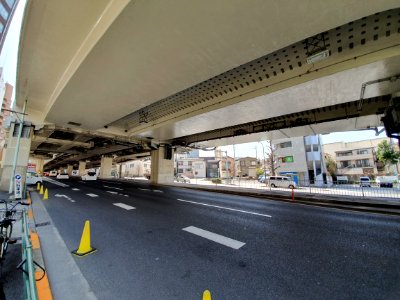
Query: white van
[281,181]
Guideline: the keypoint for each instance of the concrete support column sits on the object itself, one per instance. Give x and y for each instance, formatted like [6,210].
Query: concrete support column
[162,170]
[105,167]
[69,169]
[82,168]
[9,153]
[61,170]
[39,165]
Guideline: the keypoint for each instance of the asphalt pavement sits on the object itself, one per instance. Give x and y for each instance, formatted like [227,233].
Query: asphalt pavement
[170,243]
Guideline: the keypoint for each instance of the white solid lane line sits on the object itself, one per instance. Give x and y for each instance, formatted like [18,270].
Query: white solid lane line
[92,195]
[55,182]
[124,206]
[227,208]
[223,240]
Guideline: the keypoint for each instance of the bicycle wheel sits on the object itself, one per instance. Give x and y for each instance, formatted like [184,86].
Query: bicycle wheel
[5,231]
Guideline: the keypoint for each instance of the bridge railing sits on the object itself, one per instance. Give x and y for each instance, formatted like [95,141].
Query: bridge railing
[355,189]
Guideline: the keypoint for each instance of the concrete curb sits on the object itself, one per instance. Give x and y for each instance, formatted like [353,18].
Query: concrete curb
[42,282]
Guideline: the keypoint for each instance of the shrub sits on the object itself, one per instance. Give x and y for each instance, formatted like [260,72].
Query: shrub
[216,180]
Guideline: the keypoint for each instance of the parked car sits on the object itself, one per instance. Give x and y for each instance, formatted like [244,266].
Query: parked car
[62,176]
[365,181]
[53,173]
[89,176]
[33,178]
[386,181]
[281,181]
[182,178]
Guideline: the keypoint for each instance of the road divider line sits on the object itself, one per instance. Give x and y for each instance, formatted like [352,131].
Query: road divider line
[55,182]
[92,195]
[220,239]
[124,206]
[112,187]
[227,208]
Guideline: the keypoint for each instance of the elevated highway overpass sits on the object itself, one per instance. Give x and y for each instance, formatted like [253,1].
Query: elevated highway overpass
[120,77]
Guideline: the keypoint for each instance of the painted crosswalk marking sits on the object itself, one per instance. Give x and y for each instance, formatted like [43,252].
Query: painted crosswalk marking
[92,195]
[124,206]
[220,239]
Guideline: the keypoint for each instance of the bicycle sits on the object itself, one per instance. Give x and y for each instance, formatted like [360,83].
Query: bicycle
[6,226]
[8,216]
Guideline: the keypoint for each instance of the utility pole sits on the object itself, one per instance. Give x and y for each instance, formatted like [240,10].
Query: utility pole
[10,189]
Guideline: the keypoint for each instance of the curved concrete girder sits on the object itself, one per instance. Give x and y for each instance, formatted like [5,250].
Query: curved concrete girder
[156,48]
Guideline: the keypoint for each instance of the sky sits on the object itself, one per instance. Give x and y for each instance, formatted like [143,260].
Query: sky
[8,60]
[9,54]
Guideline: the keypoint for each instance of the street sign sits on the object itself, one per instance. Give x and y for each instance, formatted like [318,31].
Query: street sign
[18,186]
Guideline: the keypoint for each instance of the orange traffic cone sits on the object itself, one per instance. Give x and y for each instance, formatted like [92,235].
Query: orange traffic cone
[206,295]
[84,246]
[46,195]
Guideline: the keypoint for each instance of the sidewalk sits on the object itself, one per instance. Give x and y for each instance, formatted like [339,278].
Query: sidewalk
[66,279]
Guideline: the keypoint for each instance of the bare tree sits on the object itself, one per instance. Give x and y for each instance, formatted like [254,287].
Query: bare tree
[271,158]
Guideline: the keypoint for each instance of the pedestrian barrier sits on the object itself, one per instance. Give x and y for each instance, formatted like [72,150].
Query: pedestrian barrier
[84,246]
[27,265]
[350,189]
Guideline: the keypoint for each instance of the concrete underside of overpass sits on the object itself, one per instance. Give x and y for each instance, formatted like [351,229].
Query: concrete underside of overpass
[119,75]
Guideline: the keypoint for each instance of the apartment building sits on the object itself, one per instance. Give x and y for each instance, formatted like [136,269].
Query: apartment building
[355,159]
[300,158]
[246,166]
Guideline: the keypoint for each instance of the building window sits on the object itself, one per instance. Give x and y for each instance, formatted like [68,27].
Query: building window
[189,163]
[180,163]
[347,153]
[362,151]
[242,163]
[363,163]
[253,163]
[3,12]
[345,164]
[285,145]
[287,159]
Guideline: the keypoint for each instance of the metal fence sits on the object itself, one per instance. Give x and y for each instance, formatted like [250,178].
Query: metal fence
[356,189]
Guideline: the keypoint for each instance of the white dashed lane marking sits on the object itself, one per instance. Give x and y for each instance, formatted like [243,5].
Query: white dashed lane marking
[75,189]
[220,239]
[227,208]
[113,187]
[92,195]
[124,206]
[112,192]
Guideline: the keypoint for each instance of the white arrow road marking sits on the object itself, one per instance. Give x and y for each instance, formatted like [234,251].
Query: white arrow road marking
[124,206]
[64,196]
[92,195]
[227,208]
[113,187]
[75,189]
[112,192]
[220,239]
